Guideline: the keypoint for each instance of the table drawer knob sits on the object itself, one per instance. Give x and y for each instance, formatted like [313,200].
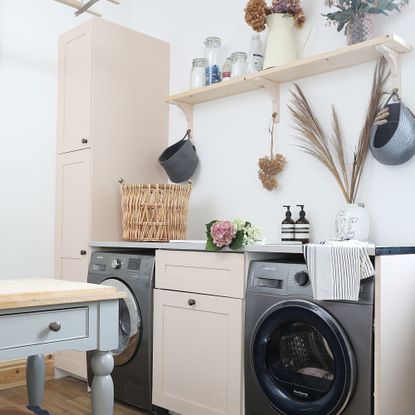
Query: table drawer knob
[191,302]
[55,326]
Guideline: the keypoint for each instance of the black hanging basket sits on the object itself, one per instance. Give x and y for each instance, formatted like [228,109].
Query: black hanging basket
[180,160]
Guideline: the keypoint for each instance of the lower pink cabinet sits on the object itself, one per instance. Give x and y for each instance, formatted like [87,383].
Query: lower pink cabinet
[198,339]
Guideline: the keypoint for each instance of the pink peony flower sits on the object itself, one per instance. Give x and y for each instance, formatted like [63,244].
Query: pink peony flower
[223,233]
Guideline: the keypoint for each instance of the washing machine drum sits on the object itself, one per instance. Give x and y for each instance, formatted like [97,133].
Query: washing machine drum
[130,323]
[303,360]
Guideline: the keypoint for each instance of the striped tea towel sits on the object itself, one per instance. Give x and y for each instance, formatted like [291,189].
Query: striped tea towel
[337,267]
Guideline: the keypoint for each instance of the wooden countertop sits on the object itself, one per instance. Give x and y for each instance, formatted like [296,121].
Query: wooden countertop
[19,293]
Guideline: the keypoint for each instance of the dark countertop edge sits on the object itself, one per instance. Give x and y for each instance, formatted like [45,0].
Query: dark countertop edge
[394,250]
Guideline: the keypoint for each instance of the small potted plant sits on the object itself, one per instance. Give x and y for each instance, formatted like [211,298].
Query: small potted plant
[280,17]
[355,16]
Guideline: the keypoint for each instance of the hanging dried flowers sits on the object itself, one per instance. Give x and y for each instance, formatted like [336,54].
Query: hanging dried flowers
[270,166]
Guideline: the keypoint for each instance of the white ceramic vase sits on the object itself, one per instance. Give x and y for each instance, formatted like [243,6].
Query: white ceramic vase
[352,222]
[281,46]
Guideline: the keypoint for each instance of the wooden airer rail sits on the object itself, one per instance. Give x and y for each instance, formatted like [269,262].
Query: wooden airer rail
[389,46]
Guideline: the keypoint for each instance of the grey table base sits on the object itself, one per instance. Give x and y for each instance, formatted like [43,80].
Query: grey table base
[99,330]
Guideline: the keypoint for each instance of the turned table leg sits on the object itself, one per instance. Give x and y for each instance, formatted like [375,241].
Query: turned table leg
[102,364]
[35,379]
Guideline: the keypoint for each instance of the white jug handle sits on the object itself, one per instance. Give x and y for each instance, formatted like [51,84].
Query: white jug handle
[306,40]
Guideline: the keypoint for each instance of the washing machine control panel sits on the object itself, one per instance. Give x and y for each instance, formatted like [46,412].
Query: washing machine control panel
[280,278]
[116,263]
[302,278]
[120,264]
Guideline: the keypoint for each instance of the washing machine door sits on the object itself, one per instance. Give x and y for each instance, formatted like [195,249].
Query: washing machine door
[130,323]
[303,360]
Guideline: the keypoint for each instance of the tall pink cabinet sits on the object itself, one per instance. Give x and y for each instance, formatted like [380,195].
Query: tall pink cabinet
[112,123]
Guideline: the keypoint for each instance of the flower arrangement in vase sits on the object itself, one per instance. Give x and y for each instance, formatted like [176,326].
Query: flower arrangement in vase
[353,221]
[355,16]
[280,17]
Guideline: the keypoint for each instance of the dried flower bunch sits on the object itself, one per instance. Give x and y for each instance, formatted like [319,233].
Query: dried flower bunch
[329,149]
[270,166]
[256,12]
[348,9]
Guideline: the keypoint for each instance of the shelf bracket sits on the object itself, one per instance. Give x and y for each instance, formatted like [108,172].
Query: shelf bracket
[394,61]
[187,111]
[274,90]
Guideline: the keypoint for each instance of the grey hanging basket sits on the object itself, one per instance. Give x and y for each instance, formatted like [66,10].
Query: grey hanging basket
[180,160]
[393,142]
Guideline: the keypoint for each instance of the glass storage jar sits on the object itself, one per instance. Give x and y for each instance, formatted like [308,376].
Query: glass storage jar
[239,64]
[198,76]
[213,55]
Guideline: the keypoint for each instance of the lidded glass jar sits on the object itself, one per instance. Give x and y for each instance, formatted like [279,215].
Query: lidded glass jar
[239,64]
[198,76]
[213,55]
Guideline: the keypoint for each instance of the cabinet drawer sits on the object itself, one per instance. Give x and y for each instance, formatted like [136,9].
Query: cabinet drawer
[28,329]
[201,272]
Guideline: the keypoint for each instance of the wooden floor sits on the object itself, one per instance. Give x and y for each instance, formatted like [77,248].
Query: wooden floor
[65,396]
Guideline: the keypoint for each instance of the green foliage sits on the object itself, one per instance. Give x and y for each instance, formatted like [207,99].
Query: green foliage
[348,9]
[238,241]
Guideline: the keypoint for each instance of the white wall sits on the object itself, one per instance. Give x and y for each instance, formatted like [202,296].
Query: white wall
[230,134]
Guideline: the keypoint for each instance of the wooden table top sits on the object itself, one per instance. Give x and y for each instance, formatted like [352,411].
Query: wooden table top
[20,293]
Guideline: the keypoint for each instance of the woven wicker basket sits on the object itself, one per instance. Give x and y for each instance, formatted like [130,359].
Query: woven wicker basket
[154,212]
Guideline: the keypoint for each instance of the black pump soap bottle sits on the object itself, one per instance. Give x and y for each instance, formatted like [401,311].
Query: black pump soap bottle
[302,227]
[287,226]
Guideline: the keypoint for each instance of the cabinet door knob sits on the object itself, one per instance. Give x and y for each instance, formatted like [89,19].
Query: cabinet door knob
[84,141]
[191,302]
[82,252]
[55,326]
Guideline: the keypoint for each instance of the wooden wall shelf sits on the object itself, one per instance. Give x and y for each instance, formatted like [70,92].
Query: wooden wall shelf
[390,46]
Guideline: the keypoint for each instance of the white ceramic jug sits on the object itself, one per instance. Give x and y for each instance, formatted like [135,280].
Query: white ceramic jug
[282,47]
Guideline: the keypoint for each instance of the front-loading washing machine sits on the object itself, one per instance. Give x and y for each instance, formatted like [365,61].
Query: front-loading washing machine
[305,357]
[133,275]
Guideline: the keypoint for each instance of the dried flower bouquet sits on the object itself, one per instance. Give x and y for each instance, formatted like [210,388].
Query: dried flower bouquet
[270,166]
[256,12]
[329,149]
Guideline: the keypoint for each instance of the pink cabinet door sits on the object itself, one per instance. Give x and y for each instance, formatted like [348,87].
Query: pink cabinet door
[197,360]
[72,235]
[75,89]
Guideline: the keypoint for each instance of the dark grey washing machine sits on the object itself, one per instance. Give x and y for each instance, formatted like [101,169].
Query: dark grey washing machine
[133,275]
[305,357]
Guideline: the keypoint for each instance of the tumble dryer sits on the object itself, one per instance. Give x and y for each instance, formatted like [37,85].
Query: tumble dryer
[304,356]
[133,275]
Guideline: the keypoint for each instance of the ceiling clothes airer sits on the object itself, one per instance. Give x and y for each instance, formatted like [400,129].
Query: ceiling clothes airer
[85,6]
